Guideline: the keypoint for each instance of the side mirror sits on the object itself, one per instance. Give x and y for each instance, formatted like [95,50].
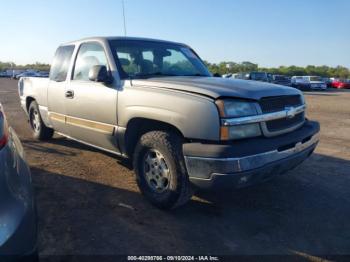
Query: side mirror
[99,73]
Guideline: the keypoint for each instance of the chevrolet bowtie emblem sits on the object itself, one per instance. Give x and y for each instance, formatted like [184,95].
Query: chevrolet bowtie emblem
[290,112]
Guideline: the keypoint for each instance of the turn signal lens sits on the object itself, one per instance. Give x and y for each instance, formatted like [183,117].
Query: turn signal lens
[224,133]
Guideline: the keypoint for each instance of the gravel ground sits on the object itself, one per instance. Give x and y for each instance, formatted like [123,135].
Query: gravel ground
[88,201]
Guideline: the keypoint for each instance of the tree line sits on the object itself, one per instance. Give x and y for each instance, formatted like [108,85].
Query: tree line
[37,66]
[231,67]
[324,71]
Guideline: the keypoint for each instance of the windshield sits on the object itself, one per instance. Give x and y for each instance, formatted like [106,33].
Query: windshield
[144,59]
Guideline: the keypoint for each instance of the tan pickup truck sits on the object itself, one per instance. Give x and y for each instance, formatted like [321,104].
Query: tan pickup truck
[156,103]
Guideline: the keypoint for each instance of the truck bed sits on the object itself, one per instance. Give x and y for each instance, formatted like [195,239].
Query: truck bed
[33,87]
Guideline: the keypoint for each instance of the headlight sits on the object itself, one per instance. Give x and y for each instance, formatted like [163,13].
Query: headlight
[230,108]
[235,108]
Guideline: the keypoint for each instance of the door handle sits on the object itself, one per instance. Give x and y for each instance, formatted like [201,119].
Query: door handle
[69,94]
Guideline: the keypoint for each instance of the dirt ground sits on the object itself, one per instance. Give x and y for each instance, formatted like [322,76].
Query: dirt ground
[79,191]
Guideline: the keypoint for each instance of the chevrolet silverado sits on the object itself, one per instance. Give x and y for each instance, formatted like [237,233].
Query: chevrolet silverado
[156,103]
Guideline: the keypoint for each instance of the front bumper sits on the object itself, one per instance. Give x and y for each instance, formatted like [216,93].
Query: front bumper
[249,161]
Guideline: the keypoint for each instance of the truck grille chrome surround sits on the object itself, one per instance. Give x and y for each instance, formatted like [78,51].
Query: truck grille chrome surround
[293,120]
[282,124]
[279,103]
[276,115]
[262,117]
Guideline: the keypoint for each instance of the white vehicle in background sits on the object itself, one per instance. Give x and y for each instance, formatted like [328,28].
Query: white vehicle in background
[227,75]
[239,76]
[235,76]
[308,83]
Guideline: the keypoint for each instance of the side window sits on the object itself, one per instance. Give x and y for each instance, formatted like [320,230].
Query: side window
[89,55]
[61,62]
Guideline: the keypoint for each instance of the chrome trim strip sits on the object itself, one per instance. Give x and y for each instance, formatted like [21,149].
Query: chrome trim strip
[234,165]
[92,125]
[57,117]
[83,123]
[287,113]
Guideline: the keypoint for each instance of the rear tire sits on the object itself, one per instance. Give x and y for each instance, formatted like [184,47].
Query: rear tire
[160,169]
[40,130]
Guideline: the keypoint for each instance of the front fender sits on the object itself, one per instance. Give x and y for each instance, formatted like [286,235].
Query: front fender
[195,116]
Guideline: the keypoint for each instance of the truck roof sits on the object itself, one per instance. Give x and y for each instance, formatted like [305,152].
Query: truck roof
[108,38]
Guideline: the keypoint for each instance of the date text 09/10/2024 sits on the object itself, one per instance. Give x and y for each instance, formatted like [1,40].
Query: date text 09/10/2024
[173,258]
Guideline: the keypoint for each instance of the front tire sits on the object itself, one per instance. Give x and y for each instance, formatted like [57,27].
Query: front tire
[40,130]
[160,169]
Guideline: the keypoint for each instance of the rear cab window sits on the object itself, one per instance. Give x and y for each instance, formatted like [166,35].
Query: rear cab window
[61,62]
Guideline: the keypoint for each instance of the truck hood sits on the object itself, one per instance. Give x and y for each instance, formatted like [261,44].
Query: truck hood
[218,87]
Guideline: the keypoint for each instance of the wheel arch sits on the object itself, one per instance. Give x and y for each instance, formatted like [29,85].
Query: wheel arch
[138,126]
[29,100]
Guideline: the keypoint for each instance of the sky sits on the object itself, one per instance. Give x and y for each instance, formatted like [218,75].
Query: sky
[269,33]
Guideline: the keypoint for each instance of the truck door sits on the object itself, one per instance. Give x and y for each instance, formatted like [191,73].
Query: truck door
[57,87]
[92,106]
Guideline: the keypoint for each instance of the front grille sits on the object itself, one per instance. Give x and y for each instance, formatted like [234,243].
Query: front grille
[278,103]
[284,123]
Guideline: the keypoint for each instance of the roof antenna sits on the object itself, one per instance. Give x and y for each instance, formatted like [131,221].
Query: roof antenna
[124,17]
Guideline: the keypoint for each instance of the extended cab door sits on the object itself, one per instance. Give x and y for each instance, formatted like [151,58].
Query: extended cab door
[91,106]
[57,87]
